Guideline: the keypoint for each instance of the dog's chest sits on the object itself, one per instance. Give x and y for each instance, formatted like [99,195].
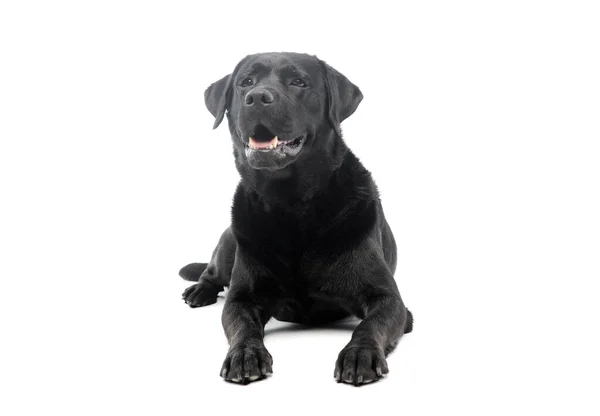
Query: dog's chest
[300,246]
[277,231]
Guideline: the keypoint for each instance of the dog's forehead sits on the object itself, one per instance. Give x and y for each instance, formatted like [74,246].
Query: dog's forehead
[279,61]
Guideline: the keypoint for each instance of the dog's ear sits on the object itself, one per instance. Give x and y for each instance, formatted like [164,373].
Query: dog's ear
[343,97]
[217,98]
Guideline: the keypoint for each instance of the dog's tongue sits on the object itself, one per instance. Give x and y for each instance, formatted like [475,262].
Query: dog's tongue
[263,145]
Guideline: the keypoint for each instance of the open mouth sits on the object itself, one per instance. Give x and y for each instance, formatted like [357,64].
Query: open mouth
[264,140]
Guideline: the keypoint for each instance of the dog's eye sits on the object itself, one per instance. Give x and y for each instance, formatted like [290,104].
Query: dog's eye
[299,82]
[246,82]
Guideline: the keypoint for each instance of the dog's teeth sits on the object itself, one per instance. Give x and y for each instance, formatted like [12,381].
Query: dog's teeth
[275,142]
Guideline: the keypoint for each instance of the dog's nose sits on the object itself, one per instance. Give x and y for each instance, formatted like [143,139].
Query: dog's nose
[260,96]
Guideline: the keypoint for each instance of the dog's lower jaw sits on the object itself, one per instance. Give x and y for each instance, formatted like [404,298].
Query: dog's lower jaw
[274,159]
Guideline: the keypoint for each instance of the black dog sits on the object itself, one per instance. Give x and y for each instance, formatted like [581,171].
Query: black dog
[308,242]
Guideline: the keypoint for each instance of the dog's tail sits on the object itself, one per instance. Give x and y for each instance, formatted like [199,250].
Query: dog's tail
[193,271]
[409,322]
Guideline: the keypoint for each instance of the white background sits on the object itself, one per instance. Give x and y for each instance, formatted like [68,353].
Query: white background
[480,123]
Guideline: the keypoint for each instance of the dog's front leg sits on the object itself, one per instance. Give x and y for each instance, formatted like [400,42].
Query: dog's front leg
[386,319]
[248,359]
[244,318]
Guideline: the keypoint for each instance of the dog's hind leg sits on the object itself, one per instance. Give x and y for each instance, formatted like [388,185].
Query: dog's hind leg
[211,277]
[192,271]
[322,312]
[316,313]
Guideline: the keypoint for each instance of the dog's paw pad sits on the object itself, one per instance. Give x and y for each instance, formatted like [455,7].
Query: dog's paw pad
[246,364]
[200,294]
[358,365]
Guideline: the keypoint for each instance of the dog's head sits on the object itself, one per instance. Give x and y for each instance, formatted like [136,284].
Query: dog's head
[279,105]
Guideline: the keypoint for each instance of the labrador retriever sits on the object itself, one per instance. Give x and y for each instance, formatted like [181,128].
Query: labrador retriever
[308,241]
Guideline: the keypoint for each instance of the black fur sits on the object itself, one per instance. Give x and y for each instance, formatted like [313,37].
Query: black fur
[308,241]
[193,271]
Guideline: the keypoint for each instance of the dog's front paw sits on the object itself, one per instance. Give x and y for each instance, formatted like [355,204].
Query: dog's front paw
[200,294]
[360,364]
[247,363]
